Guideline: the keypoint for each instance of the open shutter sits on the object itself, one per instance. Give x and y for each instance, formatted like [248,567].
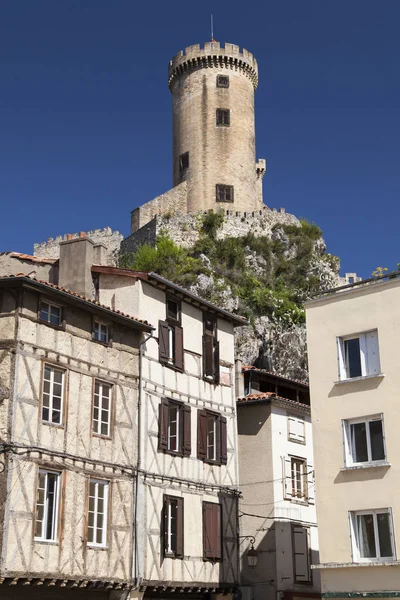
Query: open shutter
[300,554]
[310,484]
[224,441]
[287,477]
[201,435]
[164,532]
[363,354]
[179,527]
[216,362]
[187,431]
[163,341]
[207,529]
[208,356]
[341,361]
[179,348]
[163,425]
[372,351]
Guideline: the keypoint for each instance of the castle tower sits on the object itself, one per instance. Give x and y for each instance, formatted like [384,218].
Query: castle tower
[213,127]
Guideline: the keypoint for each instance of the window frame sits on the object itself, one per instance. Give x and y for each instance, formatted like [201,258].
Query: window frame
[106,485]
[220,437]
[110,409]
[43,300]
[183,428]
[355,541]
[178,551]
[308,475]
[222,78]
[223,187]
[63,371]
[56,506]
[171,350]
[349,450]
[211,373]
[101,323]
[299,478]
[223,117]
[369,355]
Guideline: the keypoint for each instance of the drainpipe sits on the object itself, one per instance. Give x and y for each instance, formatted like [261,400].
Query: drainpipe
[136,571]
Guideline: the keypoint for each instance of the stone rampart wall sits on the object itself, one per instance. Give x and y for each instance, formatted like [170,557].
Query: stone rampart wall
[172,202]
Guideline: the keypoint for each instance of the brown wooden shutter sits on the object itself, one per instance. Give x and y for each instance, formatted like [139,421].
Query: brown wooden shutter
[224,441]
[179,348]
[179,527]
[208,354]
[164,525]
[163,341]
[212,547]
[202,435]
[216,362]
[163,425]
[217,531]
[187,431]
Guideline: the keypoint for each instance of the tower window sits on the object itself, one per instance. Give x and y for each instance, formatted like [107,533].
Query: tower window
[222,81]
[183,162]
[224,193]
[223,117]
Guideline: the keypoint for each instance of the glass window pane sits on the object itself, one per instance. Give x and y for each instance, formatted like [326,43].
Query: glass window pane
[366,536]
[104,429]
[58,376]
[376,435]
[353,357]
[385,544]
[359,442]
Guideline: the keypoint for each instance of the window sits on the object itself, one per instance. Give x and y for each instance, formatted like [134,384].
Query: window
[212,529]
[358,355]
[97,512]
[223,81]
[364,440]
[47,501]
[224,193]
[212,438]
[301,554]
[174,427]
[101,332]
[223,117]
[210,349]
[50,313]
[52,398]
[173,526]
[183,162]
[102,408]
[372,535]
[296,429]
[298,479]
[171,336]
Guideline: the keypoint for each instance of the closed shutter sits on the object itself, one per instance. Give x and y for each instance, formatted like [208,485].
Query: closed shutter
[187,431]
[340,357]
[179,348]
[208,356]
[202,435]
[179,527]
[373,362]
[212,531]
[163,341]
[287,477]
[224,441]
[300,554]
[310,484]
[216,362]
[296,428]
[163,425]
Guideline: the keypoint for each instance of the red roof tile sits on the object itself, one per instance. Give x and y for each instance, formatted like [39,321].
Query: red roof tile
[271,396]
[31,258]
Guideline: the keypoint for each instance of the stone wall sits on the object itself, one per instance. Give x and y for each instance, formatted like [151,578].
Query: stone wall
[107,237]
[172,202]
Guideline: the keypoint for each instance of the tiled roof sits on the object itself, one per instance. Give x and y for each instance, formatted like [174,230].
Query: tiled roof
[246,368]
[75,295]
[271,396]
[30,258]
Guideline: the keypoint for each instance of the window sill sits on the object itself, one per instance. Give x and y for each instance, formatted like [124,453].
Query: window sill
[302,442]
[43,541]
[102,436]
[52,325]
[173,556]
[95,547]
[171,366]
[372,465]
[353,565]
[212,462]
[105,344]
[56,425]
[362,378]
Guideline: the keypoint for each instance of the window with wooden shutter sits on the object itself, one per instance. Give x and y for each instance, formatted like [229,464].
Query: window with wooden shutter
[301,554]
[210,349]
[212,438]
[179,348]
[174,427]
[358,355]
[201,434]
[171,350]
[212,531]
[163,341]
[173,533]
[224,441]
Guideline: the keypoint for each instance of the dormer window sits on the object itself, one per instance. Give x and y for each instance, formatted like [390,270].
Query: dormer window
[50,313]
[101,332]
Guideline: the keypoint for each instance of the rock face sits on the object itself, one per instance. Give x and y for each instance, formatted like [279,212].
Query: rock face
[275,340]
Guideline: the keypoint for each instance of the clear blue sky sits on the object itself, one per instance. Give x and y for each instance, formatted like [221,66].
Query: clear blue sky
[85,113]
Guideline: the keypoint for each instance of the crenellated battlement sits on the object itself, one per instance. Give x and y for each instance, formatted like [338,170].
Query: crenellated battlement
[213,55]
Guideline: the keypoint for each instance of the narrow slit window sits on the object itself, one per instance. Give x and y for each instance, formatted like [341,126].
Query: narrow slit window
[183,162]
[97,512]
[47,501]
[52,398]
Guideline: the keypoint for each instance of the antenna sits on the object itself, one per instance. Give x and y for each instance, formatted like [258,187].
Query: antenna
[212,28]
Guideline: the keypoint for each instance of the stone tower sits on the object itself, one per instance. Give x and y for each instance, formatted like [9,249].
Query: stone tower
[213,127]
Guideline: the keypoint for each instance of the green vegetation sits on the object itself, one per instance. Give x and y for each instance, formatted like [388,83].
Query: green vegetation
[270,277]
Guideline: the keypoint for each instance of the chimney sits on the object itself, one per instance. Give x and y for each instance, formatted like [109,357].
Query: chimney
[99,254]
[75,266]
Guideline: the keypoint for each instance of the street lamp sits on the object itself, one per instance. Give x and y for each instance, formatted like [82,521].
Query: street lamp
[252,554]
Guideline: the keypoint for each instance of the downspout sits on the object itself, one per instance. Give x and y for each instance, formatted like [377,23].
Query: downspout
[135,570]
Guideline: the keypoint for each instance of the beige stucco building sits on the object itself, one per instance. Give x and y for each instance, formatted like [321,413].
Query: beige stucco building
[353,360]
